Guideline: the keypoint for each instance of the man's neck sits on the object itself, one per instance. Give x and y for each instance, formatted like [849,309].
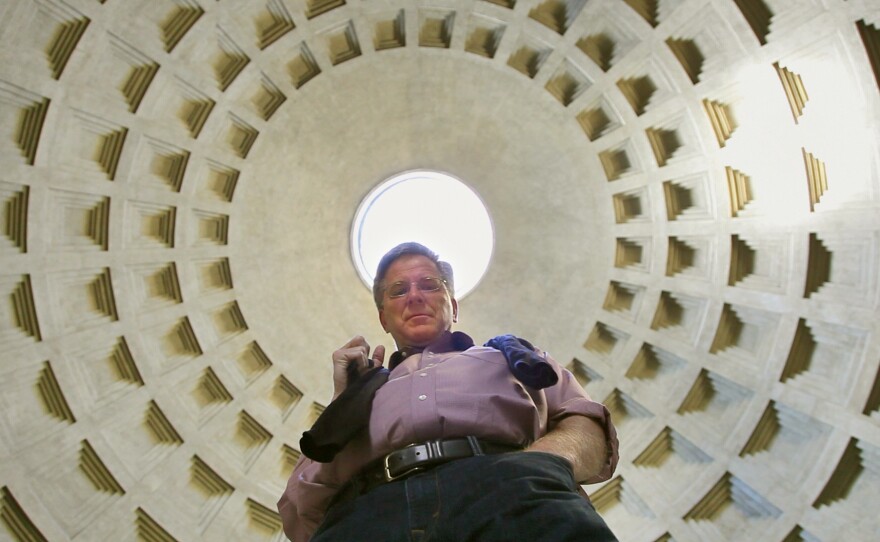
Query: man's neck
[445,342]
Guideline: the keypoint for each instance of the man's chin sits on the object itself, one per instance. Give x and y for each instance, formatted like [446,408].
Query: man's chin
[422,337]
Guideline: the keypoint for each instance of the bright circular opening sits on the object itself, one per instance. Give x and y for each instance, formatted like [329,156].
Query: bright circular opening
[431,208]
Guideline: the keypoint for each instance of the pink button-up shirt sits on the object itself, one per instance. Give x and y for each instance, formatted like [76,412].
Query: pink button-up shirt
[441,394]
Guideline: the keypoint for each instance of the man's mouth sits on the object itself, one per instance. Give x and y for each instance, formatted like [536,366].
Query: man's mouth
[419,316]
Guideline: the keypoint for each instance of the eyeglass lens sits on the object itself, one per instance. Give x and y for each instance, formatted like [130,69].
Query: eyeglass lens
[424,284]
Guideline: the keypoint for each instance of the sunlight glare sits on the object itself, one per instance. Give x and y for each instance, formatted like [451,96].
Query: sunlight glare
[431,208]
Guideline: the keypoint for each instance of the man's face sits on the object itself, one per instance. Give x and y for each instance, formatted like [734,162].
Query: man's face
[417,318]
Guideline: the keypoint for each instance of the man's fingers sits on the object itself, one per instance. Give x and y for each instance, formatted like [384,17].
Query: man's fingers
[349,354]
[378,356]
[349,361]
[355,350]
[356,354]
[357,340]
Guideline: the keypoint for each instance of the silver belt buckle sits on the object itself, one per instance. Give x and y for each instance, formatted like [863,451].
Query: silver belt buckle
[389,477]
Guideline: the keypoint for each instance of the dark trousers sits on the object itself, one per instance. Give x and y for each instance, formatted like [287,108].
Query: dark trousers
[520,496]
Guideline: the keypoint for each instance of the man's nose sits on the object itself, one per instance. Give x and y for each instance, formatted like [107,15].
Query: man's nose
[414,293]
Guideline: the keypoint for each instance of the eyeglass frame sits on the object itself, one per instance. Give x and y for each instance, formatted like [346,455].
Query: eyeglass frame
[444,284]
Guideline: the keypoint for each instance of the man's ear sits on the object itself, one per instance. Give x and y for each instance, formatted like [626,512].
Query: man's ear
[382,319]
[454,310]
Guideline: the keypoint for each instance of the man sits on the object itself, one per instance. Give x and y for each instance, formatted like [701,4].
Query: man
[494,459]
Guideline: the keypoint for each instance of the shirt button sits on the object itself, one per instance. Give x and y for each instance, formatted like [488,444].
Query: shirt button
[423,374]
[422,397]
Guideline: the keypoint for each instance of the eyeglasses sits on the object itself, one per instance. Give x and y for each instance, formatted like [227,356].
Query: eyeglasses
[424,284]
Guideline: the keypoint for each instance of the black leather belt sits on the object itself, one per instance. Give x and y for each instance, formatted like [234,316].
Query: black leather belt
[417,458]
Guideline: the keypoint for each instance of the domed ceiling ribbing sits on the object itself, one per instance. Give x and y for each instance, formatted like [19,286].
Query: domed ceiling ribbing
[685,196]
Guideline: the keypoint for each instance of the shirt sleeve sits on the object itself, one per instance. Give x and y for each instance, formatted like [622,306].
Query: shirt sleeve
[305,500]
[566,398]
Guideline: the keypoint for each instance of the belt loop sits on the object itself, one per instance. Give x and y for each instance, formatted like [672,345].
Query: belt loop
[475,445]
[434,449]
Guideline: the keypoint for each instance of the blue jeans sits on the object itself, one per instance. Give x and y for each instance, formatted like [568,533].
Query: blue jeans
[492,498]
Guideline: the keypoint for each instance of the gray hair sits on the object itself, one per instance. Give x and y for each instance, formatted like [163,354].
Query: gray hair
[409,249]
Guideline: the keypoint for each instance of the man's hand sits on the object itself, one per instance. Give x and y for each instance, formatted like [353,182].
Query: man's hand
[357,352]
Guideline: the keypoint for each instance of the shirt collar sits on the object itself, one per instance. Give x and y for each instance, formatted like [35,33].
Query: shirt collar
[446,342]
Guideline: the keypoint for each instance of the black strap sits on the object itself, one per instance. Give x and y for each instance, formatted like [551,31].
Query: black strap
[418,458]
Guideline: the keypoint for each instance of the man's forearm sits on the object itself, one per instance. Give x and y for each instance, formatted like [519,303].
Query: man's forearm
[578,439]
